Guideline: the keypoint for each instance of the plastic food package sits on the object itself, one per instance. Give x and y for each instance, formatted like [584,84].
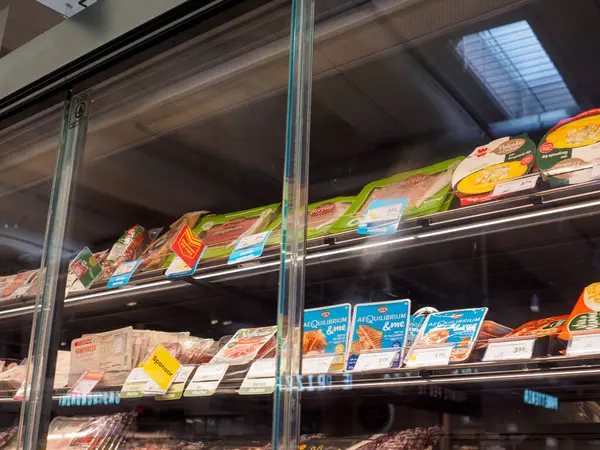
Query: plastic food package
[154,256]
[380,325]
[247,345]
[128,248]
[326,330]
[488,165]
[87,433]
[13,376]
[321,218]
[427,189]
[585,316]
[110,351]
[196,351]
[567,152]
[221,232]
[459,327]
[18,281]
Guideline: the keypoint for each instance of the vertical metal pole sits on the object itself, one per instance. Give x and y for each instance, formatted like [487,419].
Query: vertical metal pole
[35,413]
[286,409]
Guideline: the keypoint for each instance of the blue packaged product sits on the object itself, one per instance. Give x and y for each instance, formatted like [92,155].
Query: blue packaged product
[326,329]
[379,325]
[460,327]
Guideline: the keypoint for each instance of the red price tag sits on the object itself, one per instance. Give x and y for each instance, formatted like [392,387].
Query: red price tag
[188,246]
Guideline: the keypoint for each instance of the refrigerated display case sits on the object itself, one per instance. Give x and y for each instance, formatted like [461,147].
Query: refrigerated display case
[398,201]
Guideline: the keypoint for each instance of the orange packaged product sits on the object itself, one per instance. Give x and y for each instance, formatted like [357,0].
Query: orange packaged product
[585,316]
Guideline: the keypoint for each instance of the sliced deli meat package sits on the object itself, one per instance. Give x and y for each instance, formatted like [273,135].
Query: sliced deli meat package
[321,218]
[428,191]
[460,328]
[221,232]
[496,162]
[567,153]
[380,325]
[247,345]
[326,330]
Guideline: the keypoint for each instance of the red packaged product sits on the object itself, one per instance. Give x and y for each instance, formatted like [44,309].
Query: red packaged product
[129,247]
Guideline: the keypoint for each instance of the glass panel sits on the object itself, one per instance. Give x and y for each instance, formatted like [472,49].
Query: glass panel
[452,239]
[185,148]
[28,152]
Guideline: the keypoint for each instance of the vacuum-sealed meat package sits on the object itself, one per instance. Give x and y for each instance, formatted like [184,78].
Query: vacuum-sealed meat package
[246,345]
[128,248]
[427,190]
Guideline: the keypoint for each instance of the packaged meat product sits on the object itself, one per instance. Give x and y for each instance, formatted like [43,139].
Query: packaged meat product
[157,252]
[87,433]
[412,439]
[128,248]
[498,161]
[196,351]
[540,327]
[5,282]
[111,351]
[221,232]
[417,320]
[428,191]
[379,325]
[320,220]
[246,345]
[460,327]
[567,152]
[22,279]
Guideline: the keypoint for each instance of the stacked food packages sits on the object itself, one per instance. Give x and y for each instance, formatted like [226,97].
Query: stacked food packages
[117,352]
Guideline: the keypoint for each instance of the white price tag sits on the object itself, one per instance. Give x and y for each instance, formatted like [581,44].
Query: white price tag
[430,356]
[257,386]
[251,240]
[67,7]
[318,364]
[262,368]
[374,361]
[521,184]
[507,350]
[384,213]
[210,372]
[584,344]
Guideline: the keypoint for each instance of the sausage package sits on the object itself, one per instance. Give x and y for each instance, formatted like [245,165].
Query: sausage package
[221,232]
[460,327]
[428,191]
[567,152]
[246,345]
[498,161]
[379,325]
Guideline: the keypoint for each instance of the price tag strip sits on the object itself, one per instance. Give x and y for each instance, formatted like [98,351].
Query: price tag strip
[584,344]
[134,385]
[86,383]
[430,356]
[382,216]
[206,380]
[506,350]
[249,247]
[317,364]
[378,360]
[260,379]
[175,391]
[123,273]
[520,184]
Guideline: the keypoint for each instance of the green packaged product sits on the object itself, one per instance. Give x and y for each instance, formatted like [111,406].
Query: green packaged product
[428,191]
[321,217]
[221,232]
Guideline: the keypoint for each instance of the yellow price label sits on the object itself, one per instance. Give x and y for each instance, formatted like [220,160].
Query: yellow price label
[161,367]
